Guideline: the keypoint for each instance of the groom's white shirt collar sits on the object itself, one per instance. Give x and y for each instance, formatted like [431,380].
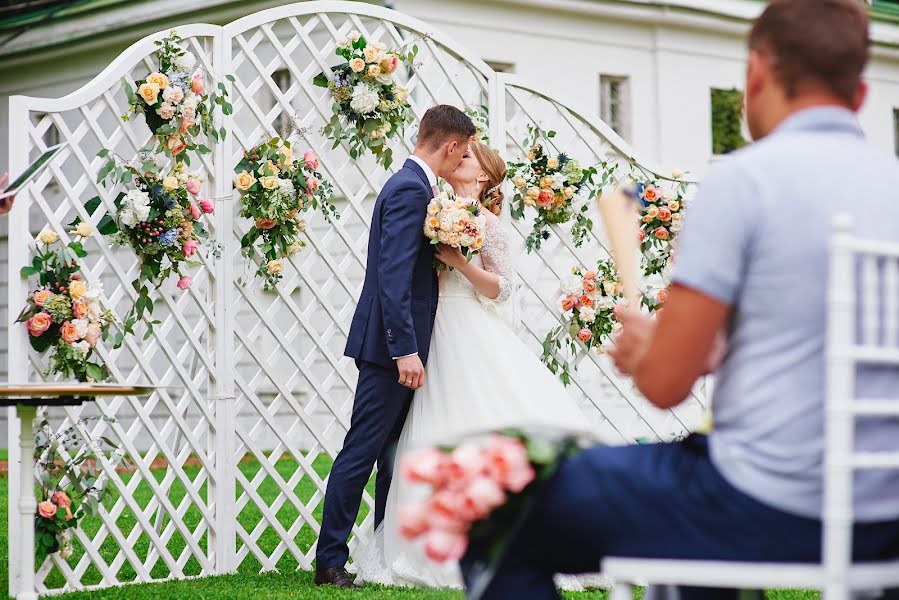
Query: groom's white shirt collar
[432,179]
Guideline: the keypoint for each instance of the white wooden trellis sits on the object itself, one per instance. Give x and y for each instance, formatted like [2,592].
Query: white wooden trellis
[243,373]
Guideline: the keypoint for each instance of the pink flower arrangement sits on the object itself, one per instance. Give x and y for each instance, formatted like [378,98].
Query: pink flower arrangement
[46,509]
[310,159]
[207,206]
[193,186]
[190,247]
[468,483]
[184,283]
[194,211]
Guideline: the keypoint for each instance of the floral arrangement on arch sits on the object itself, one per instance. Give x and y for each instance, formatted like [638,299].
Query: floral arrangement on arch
[661,214]
[175,102]
[480,116]
[276,188]
[455,221]
[558,187]
[370,108]
[160,218]
[479,490]
[587,306]
[64,312]
[72,485]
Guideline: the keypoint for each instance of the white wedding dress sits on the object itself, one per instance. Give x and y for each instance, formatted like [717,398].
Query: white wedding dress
[480,377]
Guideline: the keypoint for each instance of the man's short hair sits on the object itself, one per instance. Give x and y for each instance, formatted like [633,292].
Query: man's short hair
[444,122]
[814,44]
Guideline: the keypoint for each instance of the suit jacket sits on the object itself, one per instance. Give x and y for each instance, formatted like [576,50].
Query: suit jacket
[396,310]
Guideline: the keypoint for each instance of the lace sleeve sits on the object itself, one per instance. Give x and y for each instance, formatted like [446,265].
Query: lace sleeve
[497,259]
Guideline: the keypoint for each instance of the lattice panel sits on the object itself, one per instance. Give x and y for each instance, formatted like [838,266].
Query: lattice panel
[294,388]
[157,520]
[611,402]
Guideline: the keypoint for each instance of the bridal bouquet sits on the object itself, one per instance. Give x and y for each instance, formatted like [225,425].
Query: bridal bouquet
[275,188]
[587,305]
[553,185]
[480,494]
[369,107]
[660,222]
[174,101]
[455,221]
[64,312]
[72,485]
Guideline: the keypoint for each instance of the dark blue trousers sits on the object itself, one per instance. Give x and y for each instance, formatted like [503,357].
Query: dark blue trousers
[379,411]
[655,501]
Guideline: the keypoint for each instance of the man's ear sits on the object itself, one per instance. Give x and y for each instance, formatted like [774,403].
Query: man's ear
[757,68]
[451,148]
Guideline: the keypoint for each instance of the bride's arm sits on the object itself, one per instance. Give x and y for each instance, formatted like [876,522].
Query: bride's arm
[485,282]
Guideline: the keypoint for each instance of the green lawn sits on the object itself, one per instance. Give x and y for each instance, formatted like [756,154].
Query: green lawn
[248,582]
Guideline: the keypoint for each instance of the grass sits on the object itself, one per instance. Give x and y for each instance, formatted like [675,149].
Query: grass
[248,582]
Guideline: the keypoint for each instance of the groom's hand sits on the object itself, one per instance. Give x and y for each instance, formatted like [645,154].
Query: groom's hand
[412,372]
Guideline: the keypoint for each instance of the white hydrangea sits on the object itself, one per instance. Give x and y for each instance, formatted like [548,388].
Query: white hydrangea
[173,94]
[186,61]
[80,327]
[587,314]
[83,346]
[558,180]
[606,303]
[135,208]
[285,186]
[365,99]
[572,285]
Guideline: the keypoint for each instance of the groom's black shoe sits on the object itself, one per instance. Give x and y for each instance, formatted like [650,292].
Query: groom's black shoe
[336,576]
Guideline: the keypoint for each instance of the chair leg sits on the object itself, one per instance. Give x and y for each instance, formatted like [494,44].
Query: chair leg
[622,590]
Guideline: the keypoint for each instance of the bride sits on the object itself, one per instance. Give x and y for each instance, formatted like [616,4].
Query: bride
[481,377]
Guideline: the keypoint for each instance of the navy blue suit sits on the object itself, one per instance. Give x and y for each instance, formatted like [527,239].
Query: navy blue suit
[394,318]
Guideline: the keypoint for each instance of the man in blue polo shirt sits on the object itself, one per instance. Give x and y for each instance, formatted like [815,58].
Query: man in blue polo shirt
[753,261]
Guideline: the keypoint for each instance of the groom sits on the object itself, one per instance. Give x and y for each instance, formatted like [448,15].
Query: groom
[390,333]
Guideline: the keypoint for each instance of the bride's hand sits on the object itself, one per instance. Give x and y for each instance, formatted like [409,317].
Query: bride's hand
[451,257]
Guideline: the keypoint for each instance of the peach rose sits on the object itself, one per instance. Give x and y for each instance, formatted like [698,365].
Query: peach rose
[674,205]
[374,70]
[589,285]
[441,546]
[244,180]
[465,462]
[46,509]
[661,233]
[38,324]
[357,65]
[79,309]
[652,211]
[61,499]
[584,335]
[590,275]
[184,283]
[265,223]
[568,303]
[186,124]
[641,235]
[445,510]
[93,333]
[196,84]
[269,182]
[41,296]
[650,193]
[413,521]
[390,63]
[662,296]
[69,332]
[481,496]
[508,463]
[586,301]
[664,214]
[425,466]
[311,184]
[159,80]
[149,92]
[77,289]
[546,197]
[176,146]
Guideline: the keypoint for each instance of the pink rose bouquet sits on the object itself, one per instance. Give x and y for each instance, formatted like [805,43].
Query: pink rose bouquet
[477,491]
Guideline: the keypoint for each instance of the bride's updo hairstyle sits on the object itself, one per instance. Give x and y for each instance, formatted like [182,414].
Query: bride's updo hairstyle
[495,168]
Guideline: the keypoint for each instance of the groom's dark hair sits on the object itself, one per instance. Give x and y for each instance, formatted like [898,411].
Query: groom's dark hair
[443,122]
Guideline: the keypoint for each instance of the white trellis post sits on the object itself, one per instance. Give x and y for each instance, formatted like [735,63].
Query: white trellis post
[223,396]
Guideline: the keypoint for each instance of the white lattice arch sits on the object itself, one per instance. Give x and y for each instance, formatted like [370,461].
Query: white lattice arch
[247,374]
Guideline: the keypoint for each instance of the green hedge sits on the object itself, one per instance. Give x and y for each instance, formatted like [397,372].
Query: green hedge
[727,112]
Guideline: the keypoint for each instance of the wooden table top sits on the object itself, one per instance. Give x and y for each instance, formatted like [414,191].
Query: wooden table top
[65,393]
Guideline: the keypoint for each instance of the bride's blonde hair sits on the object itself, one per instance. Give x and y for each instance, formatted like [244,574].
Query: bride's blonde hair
[495,168]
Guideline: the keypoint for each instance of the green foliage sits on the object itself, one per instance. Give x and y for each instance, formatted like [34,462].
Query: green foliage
[727,119]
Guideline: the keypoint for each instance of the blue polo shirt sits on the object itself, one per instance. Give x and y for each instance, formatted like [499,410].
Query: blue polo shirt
[757,238]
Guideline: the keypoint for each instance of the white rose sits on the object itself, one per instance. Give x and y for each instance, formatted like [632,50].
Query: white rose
[136,208]
[609,286]
[173,95]
[344,43]
[94,291]
[80,327]
[558,181]
[676,226]
[606,303]
[93,310]
[128,217]
[572,285]
[355,35]
[83,346]
[365,100]
[587,314]
[677,174]
[186,61]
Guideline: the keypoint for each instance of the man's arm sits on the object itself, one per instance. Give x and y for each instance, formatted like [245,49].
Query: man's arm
[401,230]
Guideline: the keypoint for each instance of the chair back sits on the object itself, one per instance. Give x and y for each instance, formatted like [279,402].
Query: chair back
[862,328]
